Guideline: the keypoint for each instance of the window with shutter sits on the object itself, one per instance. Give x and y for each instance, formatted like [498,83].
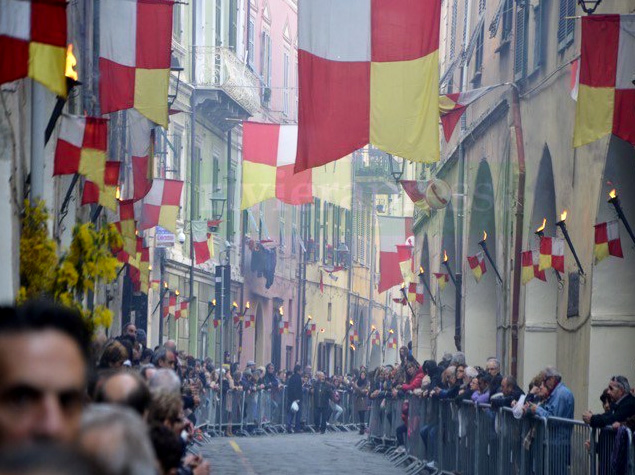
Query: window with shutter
[316,234]
[233,24]
[478,56]
[566,26]
[520,55]
[453,30]
[538,34]
[508,19]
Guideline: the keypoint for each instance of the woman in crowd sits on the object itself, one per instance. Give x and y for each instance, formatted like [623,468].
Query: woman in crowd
[361,388]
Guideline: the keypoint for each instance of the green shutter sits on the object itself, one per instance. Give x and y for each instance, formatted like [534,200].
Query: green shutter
[520,53]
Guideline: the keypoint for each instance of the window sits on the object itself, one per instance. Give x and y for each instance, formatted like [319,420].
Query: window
[216,174]
[538,49]
[453,30]
[251,44]
[265,58]
[508,19]
[177,148]
[317,224]
[177,26]
[218,17]
[478,58]
[196,182]
[294,229]
[285,80]
[520,54]
[282,224]
[329,314]
[566,27]
[233,24]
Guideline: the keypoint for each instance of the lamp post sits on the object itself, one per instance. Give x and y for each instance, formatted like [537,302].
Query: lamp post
[589,6]
[615,201]
[447,266]
[563,226]
[396,173]
[483,244]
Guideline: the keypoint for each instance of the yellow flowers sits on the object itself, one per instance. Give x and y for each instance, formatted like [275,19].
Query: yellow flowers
[87,262]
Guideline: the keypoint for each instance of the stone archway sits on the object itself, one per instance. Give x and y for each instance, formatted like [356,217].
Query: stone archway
[481,301]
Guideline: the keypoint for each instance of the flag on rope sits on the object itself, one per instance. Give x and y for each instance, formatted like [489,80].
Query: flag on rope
[81,148]
[551,253]
[375,340]
[606,95]
[135,39]
[392,342]
[182,310]
[393,232]
[311,329]
[416,191]
[400,300]
[126,225]
[141,153]
[250,321]
[415,292]
[201,238]
[368,72]
[107,196]
[33,42]
[607,240]
[138,266]
[477,264]
[442,278]
[284,327]
[453,106]
[161,205]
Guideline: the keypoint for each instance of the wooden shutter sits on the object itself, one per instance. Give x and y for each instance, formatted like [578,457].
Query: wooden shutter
[520,55]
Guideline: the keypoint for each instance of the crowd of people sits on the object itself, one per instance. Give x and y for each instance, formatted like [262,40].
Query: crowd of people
[113,405]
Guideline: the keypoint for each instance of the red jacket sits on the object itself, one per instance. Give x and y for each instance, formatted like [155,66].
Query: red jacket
[416,381]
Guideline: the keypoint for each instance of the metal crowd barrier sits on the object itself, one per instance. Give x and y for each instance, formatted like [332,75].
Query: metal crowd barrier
[476,439]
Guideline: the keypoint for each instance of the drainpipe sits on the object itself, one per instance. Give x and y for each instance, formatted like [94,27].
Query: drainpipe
[520,209]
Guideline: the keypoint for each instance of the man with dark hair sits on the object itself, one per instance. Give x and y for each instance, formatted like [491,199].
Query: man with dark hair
[125,389]
[164,358]
[43,360]
[622,408]
[130,329]
[294,393]
[510,393]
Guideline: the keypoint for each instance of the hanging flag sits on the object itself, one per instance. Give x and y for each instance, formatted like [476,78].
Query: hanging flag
[393,232]
[392,342]
[607,240]
[81,148]
[406,266]
[375,340]
[250,321]
[538,274]
[311,329]
[161,205]
[237,319]
[135,39]
[551,253]
[415,293]
[269,152]
[126,226]
[33,42]
[416,191]
[368,72]
[200,238]
[216,322]
[477,264]
[182,310]
[453,106]
[169,304]
[284,327]
[141,153]
[442,278]
[321,283]
[400,300]
[527,263]
[354,337]
[606,96]
[155,285]
[574,85]
[107,197]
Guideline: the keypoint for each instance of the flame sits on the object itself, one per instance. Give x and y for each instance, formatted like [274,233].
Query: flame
[542,228]
[484,236]
[118,193]
[281,310]
[165,285]
[71,62]
[214,302]
[234,304]
[309,318]
[149,267]
[373,328]
[403,285]
[391,331]
[613,194]
[421,271]
[353,347]
[563,215]
[445,256]
[351,322]
[177,293]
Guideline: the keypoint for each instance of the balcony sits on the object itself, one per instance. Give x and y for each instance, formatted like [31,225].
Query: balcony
[373,171]
[226,84]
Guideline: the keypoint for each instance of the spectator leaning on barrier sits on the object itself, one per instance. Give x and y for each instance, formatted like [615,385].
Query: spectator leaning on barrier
[622,408]
[510,393]
[493,368]
[559,400]
[43,362]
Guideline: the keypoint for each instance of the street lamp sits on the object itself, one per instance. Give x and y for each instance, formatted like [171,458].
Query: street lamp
[218,207]
[395,169]
[589,6]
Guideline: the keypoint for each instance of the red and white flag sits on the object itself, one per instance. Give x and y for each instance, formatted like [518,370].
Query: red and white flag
[551,253]
[393,232]
[442,278]
[311,329]
[161,205]
[169,304]
[574,85]
[415,293]
[107,196]
[607,240]
[453,106]
[477,264]
[201,239]
[135,40]
[284,327]
[141,154]
[250,321]
[182,309]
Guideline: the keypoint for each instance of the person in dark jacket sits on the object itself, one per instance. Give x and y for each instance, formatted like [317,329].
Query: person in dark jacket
[321,395]
[511,393]
[294,393]
[622,408]
[361,389]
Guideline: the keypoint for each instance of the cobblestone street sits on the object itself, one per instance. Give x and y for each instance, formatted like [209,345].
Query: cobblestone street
[292,454]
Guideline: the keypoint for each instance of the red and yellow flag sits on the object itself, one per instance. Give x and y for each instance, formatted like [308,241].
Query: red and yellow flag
[606,94]
[607,240]
[442,278]
[551,253]
[107,196]
[477,264]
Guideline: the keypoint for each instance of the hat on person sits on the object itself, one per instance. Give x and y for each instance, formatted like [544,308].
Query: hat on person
[141,335]
[247,372]
[251,363]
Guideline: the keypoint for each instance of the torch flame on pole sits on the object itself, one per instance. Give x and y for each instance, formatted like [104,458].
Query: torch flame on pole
[563,215]
[373,328]
[421,271]
[247,305]
[445,256]
[613,194]
[118,193]
[353,347]
[71,62]
[542,228]
[403,285]
[484,235]
[391,331]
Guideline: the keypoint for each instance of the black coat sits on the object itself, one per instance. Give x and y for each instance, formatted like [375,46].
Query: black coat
[294,388]
[506,401]
[619,412]
[321,394]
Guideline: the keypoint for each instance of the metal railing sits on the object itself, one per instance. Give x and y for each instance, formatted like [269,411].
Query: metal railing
[477,439]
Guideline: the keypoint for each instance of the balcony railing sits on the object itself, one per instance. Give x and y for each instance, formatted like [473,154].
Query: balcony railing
[218,67]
